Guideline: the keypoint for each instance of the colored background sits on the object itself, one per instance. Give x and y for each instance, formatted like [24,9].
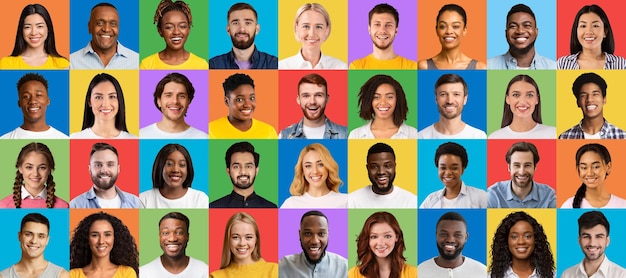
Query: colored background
[289,227]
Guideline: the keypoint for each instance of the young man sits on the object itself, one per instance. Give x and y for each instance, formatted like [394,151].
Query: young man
[32,94]
[382,28]
[242,165]
[312,98]
[173,96]
[381,169]
[521,32]
[242,28]
[240,99]
[451,97]
[521,191]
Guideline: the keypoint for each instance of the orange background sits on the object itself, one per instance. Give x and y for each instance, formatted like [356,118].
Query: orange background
[130,218]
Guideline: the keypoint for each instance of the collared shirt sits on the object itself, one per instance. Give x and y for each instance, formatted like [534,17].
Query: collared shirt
[331,131]
[298,62]
[234,200]
[297,266]
[40,195]
[258,60]
[607,269]
[608,131]
[469,197]
[510,274]
[500,195]
[571,62]
[87,58]
[90,200]
[507,61]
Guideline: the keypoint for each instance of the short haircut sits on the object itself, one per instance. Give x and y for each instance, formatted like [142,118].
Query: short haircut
[242,147]
[453,8]
[102,146]
[520,8]
[241,6]
[380,148]
[234,81]
[313,213]
[31,76]
[450,78]
[103,4]
[588,77]
[34,217]
[161,158]
[453,149]
[176,78]
[176,215]
[453,216]
[313,78]
[384,8]
[592,218]
[366,96]
[523,147]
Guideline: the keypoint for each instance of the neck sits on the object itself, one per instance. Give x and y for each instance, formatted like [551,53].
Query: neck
[454,263]
[175,264]
[313,56]
[34,52]
[172,126]
[522,124]
[318,191]
[383,54]
[105,194]
[174,53]
[523,59]
[105,128]
[592,266]
[242,125]
[379,123]
[451,55]
[449,126]
[243,55]
[101,263]
[33,191]
[170,192]
[31,264]
[315,123]
[105,53]
[593,125]
[378,192]
[37,126]
[592,54]
[521,192]
[244,192]
[454,191]
[522,266]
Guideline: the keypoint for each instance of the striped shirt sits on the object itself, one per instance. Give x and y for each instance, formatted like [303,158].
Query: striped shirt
[571,62]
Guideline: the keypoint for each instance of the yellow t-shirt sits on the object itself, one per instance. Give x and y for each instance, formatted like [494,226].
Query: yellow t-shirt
[193,63]
[369,62]
[259,269]
[408,271]
[222,129]
[123,271]
[16,62]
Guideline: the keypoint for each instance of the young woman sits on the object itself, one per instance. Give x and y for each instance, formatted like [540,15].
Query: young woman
[172,175]
[316,181]
[521,118]
[33,179]
[34,47]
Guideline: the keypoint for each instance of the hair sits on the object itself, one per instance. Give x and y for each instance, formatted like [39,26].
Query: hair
[453,216]
[366,260]
[313,78]
[603,152]
[366,96]
[31,76]
[89,118]
[313,213]
[103,4]
[449,78]
[241,147]
[36,218]
[453,149]
[20,44]
[384,8]
[161,159]
[176,78]
[586,78]
[124,251]
[453,8]
[523,147]
[299,185]
[39,148]
[234,81]
[591,219]
[316,8]
[102,146]
[241,6]
[380,148]
[167,6]
[608,43]
[178,216]
[227,256]
[507,114]
[520,8]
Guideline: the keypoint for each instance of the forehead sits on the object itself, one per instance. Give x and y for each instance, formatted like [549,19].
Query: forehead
[383,17]
[450,15]
[33,83]
[590,87]
[242,227]
[521,17]
[314,221]
[310,88]
[452,225]
[522,85]
[176,155]
[33,18]
[522,226]
[446,157]
[101,225]
[380,157]
[381,227]
[590,156]
[174,86]
[311,16]
[241,157]
[174,16]
[104,87]
[33,155]
[104,11]
[242,14]
[456,86]
[172,222]
[595,230]
[35,227]
[104,155]
[590,16]
[244,89]
[385,88]
[522,157]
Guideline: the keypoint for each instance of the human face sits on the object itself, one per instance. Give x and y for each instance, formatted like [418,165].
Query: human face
[590,31]
[35,171]
[450,170]
[451,99]
[104,26]
[592,169]
[175,170]
[522,99]
[101,238]
[591,101]
[521,32]
[35,31]
[451,238]
[450,29]
[521,240]
[381,168]
[174,101]
[174,29]
[242,28]
[103,101]
[242,242]
[312,30]
[314,170]
[241,103]
[312,99]
[104,168]
[34,101]
[33,239]
[522,169]
[593,242]
[384,101]
[173,236]
[382,239]
[382,29]
[242,170]
[314,237]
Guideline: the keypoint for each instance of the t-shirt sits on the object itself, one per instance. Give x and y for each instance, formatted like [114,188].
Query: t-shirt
[192,199]
[365,132]
[469,132]
[408,271]
[193,63]
[369,62]
[469,269]
[540,131]
[331,200]
[366,198]
[87,133]
[222,129]
[195,269]
[153,131]
[122,272]
[16,62]
[258,269]
[614,202]
[20,133]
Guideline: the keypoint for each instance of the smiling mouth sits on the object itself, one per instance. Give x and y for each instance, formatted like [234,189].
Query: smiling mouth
[449,39]
[591,107]
[521,40]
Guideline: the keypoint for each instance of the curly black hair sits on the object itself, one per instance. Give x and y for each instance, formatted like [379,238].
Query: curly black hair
[541,258]
[124,250]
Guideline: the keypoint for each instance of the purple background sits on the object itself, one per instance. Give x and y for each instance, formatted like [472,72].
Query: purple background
[359,42]
[197,115]
[289,224]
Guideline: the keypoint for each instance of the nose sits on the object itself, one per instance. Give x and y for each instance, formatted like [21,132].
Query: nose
[315,238]
[100,239]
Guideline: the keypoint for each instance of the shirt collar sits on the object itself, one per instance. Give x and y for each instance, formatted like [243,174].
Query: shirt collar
[41,195]
[532,195]
[236,196]
[604,267]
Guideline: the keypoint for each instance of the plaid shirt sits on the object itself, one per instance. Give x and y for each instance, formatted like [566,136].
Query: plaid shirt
[608,131]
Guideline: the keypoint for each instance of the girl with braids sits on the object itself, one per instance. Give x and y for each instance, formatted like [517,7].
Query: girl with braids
[102,246]
[34,183]
[380,248]
[520,248]
[173,20]
[593,163]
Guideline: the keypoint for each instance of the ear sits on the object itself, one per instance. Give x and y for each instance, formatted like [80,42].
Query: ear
[226,101]
[464,100]
[256,171]
[159,103]
[228,29]
[608,168]
[506,99]
[369,29]
[228,171]
[160,33]
[298,99]
[257,29]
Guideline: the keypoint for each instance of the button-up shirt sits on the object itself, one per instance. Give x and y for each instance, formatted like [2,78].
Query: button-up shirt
[331,131]
[258,60]
[507,61]
[90,200]
[500,195]
[87,58]
[608,131]
[297,266]
[234,200]
[607,269]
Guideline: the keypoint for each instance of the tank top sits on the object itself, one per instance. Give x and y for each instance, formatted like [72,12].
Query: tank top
[52,271]
[431,64]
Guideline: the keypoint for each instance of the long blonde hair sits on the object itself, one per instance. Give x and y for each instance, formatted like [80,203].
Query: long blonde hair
[299,185]
[227,256]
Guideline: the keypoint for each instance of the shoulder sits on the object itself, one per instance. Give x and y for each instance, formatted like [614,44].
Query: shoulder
[481,65]
[499,134]
[569,203]
[354,272]
[422,64]
[359,63]
[7,202]
[333,63]
[150,61]
[409,271]
[60,203]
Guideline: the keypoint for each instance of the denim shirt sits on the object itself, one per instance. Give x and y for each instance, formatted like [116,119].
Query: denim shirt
[507,61]
[331,131]
[258,60]
[89,200]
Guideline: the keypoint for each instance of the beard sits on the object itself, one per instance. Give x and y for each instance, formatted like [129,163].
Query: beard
[312,261]
[242,45]
[320,114]
[448,116]
[452,256]
[382,190]
[242,186]
[103,185]
[521,51]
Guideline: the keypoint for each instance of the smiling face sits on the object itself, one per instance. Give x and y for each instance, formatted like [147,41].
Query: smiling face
[521,240]
[174,102]
[590,31]
[312,30]
[593,242]
[592,170]
[450,29]
[591,101]
[33,100]
[382,29]
[173,237]
[312,99]
[101,238]
[451,238]
[241,103]
[104,168]
[381,168]
[242,28]
[314,171]
[382,239]
[35,31]
[35,171]
[522,98]
[450,170]
[33,239]
[521,32]
[104,26]
[242,170]
[522,169]
[242,242]
[384,102]
[451,99]
[103,101]
[175,170]
[174,29]
[314,237]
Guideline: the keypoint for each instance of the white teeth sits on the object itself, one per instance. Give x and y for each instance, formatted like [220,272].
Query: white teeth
[448,39]
[34,109]
[105,36]
[177,39]
[521,40]
[314,249]
[383,108]
[591,107]
[106,110]
[589,39]
[449,247]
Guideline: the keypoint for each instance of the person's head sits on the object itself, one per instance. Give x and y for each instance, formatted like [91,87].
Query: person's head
[520,237]
[32,97]
[381,167]
[174,234]
[172,167]
[522,159]
[242,164]
[242,240]
[173,95]
[380,237]
[34,235]
[593,163]
[382,97]
[242,25]
[35,30]
[102,235]
[103,26]
[34,164]
[450,95]
[451,233]
[173,21]
[315,168]
[313,235]
[522,100]
[383,21]
[451,161]
[313,96]
[104,100]
[104,165]
[593,235]
[239,96]
[590,92]
[521,29]
[312,25]
[591,29]
[451,25]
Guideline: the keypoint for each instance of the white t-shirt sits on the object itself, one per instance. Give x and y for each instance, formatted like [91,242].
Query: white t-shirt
[192,199]
[20,133]
[331,200]
[540,131]
[88,134]
[365,132]
[298,62]
[614,202]
[153,131]
[469,269]
[195,269]
[116,202]
[469,132]
[366,198]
